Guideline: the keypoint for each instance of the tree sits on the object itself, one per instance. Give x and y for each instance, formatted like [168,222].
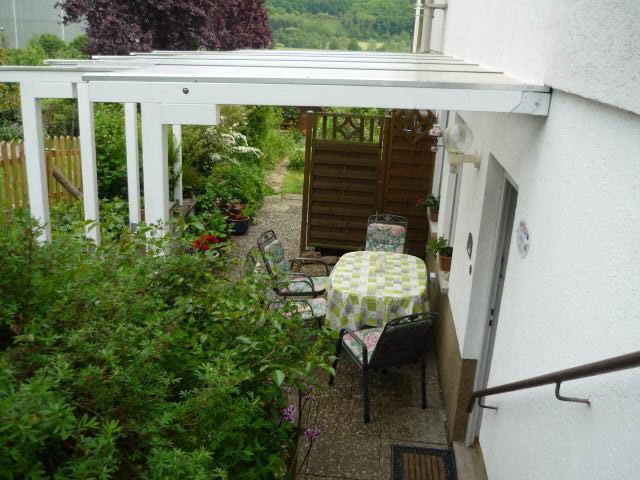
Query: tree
[119,27]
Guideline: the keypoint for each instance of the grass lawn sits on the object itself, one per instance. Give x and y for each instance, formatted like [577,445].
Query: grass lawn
[292,182]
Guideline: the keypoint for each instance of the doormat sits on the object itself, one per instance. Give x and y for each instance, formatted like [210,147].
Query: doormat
[417,463]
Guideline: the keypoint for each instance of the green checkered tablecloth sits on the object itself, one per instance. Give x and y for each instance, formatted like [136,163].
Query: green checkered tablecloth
[371,288]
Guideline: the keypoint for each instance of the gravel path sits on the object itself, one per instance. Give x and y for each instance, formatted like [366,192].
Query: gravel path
[281,213]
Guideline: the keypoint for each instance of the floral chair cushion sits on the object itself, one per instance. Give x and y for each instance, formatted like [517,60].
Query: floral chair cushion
[301,286]
[369,337]
[312,308]
[382,237]
[274,255]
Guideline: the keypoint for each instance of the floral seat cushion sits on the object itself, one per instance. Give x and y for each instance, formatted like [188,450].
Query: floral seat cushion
[276,259]
[313,308]
[382,237]
[369,337]
[302,285]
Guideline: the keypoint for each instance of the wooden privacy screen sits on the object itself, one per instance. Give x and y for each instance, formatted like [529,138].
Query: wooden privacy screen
[61,152]
[356,166]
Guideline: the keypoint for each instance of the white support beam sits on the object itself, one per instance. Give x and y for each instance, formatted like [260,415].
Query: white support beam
[35,158]
[55,90]
[177,165]
[188,114]
[133,166]
[433,98]
[155,167]
[88,162]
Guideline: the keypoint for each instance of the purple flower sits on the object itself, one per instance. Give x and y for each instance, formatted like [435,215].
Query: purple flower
[307,392]
[312,434]
[286,389]
[288,413]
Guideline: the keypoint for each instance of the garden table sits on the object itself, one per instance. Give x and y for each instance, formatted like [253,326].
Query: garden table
[371,288]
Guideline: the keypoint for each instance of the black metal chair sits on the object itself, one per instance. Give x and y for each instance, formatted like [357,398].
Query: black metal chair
[310,310]
[386,233]
[286,282]
[401,341]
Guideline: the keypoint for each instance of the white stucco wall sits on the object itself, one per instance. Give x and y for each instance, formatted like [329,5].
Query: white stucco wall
[576,297]
[572,300]
[584,47]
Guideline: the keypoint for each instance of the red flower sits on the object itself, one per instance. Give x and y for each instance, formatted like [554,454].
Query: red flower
[204,247]
[420,200]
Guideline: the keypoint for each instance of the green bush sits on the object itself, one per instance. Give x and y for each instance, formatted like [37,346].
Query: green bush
[116,364]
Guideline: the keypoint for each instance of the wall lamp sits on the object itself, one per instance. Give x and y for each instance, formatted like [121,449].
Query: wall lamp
[458,142]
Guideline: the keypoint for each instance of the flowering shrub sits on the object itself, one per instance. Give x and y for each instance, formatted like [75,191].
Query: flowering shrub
[205,242]
[119,365]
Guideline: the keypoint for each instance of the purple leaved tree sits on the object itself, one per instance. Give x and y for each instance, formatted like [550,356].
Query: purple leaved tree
[124,26]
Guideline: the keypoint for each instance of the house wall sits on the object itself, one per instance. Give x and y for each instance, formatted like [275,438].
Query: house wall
[574,298]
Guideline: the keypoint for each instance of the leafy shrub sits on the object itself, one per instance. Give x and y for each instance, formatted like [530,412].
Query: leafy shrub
[115,364]
[111,154]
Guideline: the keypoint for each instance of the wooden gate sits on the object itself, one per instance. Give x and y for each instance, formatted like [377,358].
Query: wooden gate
[356,166]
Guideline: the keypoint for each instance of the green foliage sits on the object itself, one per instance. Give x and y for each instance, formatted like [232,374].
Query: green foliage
[292,182]
[60,117]
[340,24]
[117,364]
[439,247]
[111,152]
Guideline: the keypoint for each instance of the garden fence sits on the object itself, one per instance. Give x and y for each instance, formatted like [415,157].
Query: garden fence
[62,153]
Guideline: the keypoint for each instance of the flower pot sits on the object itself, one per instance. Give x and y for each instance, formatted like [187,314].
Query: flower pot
[433,215]
[445,263]
[240,226]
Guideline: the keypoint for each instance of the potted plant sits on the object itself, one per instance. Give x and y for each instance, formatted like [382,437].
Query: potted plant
[430,204]
[236,211]
[441,248]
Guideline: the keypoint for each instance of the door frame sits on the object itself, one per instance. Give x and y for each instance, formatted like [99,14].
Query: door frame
[508,192]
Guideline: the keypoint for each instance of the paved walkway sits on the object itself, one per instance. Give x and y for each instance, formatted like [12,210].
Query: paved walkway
[347,448]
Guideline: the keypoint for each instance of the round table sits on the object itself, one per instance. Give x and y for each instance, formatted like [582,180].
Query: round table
[371,288]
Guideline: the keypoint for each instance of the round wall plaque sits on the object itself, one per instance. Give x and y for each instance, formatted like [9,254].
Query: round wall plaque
[524,239]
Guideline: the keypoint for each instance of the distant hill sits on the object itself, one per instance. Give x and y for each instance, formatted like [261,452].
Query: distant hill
[342,24]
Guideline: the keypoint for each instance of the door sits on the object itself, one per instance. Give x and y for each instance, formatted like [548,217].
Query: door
[505,233]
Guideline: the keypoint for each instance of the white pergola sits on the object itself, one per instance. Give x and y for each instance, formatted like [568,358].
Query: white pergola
[185,88]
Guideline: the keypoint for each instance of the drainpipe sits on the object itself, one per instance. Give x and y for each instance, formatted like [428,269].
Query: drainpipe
[417,27]
[427,23]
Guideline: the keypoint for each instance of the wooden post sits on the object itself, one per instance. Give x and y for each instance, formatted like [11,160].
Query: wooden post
[306,185]
[66,184]
[35,159]
[385,139]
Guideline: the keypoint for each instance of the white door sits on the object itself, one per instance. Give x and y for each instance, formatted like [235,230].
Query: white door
[505,233]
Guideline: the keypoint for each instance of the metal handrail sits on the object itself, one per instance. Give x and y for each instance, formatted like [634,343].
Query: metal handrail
[622,362]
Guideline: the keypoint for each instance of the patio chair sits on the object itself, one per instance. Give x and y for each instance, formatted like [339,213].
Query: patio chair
[286,282]
[401,341]
[311,310]
[386,233]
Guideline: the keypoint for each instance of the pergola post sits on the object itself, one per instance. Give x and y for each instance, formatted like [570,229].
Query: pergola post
[88,163]
[36,165]
[155,168]
[177,165]
[133,167]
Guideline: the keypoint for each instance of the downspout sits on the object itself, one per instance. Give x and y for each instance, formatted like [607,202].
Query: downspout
[417,27]
[427,23]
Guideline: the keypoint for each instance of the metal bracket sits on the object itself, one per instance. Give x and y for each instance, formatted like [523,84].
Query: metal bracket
[536,103]
[570,399]
[482,405]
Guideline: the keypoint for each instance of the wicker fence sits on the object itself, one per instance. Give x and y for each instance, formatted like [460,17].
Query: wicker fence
[62,153]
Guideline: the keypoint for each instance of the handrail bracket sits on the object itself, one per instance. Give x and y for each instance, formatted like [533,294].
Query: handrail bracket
[482,405]
[569,399]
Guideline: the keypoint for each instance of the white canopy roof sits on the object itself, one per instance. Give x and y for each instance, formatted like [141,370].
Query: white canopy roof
[176,88]
[304,78]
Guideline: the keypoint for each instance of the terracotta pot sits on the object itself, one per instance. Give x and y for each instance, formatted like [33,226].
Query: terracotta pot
[433,215]
[445,263]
